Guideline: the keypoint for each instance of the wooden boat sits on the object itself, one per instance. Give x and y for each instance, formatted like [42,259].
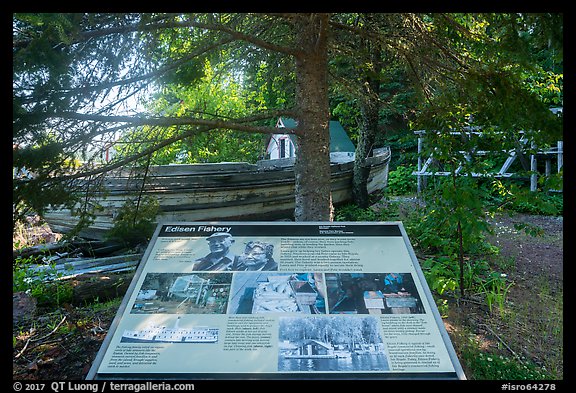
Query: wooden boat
[217,192]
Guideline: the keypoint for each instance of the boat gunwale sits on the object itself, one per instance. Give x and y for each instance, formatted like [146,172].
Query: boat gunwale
[259,206]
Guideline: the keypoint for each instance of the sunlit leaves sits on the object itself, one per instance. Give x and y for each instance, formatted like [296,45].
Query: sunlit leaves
[216,95]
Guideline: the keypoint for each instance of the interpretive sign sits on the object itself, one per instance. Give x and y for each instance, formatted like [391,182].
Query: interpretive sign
[278,300]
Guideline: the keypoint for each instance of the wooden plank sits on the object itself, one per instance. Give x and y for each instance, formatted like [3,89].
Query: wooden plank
[87,263]
[117,267]
[83,263]
[511,158]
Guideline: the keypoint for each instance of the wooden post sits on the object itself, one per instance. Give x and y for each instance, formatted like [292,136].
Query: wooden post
[419,187]
[560,155]
[533,169]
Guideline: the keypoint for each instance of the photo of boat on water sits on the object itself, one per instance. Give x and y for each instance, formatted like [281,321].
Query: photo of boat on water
[339,343]
[175,334]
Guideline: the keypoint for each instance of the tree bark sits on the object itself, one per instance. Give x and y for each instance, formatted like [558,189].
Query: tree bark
[370,112]
[312,166]
[364,147]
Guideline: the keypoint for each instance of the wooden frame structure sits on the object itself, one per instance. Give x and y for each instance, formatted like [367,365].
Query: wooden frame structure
[424,166]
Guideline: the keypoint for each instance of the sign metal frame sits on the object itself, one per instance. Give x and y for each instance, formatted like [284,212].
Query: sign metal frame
[351,250]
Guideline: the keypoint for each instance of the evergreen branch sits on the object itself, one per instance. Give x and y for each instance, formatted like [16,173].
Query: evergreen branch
[238,124]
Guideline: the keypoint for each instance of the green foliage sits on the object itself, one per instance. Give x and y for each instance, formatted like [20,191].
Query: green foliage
[347,112]
[401,181]
[385,209]
[351,212]
[476,269]
[216,94]
[517,197]
[41,283]
[454,226]
[426,235]
[441,274]
[212,147]
[31,191]
[136,221]
[487,366]
[103,306]
[504,68]
[548,85]
[396,94]
[269,81]
[404,147]
[495,288]
[448,205]
[443,307]
[537,203]
[508,83]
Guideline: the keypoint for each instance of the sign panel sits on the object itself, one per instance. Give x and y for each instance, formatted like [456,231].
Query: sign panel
[277,300]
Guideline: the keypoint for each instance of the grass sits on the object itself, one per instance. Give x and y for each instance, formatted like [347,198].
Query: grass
[484,357]
[486,366]
[521,340]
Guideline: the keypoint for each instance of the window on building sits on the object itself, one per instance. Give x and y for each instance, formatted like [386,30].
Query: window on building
[283,148]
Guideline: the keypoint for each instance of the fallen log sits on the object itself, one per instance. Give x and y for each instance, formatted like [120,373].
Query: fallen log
[91,287]
[39,249]
[95,249]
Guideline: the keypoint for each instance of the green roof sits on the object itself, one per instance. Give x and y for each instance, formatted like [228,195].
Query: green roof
[339,139]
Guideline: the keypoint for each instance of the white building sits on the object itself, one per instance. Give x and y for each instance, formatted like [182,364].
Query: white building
[284,145]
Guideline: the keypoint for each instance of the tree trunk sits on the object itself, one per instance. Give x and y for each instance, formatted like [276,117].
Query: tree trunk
[312,166]
[370,111]
[363,150]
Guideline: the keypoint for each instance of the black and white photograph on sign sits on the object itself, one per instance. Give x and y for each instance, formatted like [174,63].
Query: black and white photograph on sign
[183,293]
[372,293]
[275,292]
[156,333]
[220,256]
[224,255]
[339,343]
[257,256]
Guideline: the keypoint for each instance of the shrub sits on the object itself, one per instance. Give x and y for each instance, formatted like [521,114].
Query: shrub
[135,222]
[42,284]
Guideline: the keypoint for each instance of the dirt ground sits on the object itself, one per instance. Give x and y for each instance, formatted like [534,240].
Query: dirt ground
[531,327]
[62,344]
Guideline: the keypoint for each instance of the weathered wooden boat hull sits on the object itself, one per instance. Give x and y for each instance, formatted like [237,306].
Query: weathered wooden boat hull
[216,192]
